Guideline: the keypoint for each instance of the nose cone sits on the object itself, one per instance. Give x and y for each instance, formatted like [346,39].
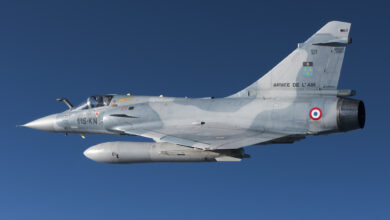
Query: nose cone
[44,124]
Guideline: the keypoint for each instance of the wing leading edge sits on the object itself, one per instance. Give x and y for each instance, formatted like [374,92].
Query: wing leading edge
[235,139]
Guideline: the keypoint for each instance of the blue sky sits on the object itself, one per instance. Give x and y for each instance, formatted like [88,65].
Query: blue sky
[51,49]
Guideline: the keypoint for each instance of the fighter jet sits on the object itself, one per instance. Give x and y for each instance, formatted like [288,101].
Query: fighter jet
[295,99]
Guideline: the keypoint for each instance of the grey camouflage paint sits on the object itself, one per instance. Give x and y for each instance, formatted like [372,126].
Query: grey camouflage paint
[274,109]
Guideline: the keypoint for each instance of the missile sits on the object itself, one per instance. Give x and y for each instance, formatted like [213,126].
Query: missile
[143,152]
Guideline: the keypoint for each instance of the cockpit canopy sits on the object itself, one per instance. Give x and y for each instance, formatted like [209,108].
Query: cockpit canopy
[95,101]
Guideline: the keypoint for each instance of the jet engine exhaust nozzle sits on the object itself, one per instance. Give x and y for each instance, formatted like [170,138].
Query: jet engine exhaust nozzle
[351,114]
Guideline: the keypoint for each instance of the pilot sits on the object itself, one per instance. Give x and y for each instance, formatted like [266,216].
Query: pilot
[99,101]
[92,102]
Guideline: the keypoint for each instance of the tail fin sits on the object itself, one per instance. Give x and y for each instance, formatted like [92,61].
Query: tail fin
[314,65]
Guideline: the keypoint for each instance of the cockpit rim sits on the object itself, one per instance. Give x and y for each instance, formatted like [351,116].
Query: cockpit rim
[95,101]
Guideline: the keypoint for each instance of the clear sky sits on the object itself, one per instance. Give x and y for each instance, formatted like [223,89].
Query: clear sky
[73,49]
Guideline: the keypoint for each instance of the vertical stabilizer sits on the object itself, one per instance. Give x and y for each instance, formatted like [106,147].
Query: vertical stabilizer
[314,65]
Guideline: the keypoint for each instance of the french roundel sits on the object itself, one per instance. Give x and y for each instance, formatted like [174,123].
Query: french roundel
[315,113]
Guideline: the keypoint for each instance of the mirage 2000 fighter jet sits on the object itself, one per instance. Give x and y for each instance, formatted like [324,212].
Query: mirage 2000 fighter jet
[295,99]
